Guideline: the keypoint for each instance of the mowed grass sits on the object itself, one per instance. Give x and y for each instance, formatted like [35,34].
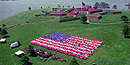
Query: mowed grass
[68,17]
[111,17]
[21,17]
[115,47]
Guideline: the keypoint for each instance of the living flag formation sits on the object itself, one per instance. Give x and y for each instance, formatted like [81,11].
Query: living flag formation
[69,44]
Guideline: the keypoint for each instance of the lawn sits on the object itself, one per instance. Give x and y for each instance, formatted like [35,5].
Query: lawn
[111,17]
[21,17]
[68,17]
[115,47]
[96,14]
[39,18]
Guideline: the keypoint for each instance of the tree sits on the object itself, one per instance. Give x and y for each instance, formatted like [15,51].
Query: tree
[3,25]
[0,33]
[0,29]
[84,19]
[63,6]
[101,5]
[59,5]
[124,18]
[3,31]
[96,6]
[125,30]
[104,5]
[114,7]
[48,6]
[73,6]
[29,8]
[90,6]
[68,6]
[31,50]
[24,60]
[107,6]
[74,62]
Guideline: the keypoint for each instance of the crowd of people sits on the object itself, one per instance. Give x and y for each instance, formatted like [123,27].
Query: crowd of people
[56,58]
[58,36]
[42,52]
[39,52]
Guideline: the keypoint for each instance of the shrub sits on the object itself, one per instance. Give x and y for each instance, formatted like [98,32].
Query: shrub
[124,18]
[24,60]
[125,30]
[31,50]
[3,32]
[84,19]
[74,62]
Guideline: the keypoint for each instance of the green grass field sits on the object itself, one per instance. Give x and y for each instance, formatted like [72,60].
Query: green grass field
[111,17]
[115,47]
[68,17]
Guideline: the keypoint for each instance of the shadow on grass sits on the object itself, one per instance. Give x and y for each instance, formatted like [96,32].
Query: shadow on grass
[126,36]
[126,22]
[86,23]
[3,42]
[29,63]
[6,36]
[33,55]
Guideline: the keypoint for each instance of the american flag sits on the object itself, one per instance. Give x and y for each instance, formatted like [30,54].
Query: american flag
[69,44]
[84,5]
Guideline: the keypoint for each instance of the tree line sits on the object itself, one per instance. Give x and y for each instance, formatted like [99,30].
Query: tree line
[97,5]
[103,5]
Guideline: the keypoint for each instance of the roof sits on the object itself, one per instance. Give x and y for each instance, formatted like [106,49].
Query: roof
[2,40]
[14,44]
[19,52]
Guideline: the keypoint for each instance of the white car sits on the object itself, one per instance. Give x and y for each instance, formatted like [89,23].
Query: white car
[2,40]
[19,53]
[15,44]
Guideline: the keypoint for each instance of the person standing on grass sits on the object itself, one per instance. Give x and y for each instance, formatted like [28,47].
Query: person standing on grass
[94,64]
[41,58]
[84,62]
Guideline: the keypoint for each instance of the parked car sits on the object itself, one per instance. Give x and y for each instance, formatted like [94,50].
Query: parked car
[19,53]
[2,40]
[15,44]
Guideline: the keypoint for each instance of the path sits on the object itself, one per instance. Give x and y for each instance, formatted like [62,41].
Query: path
[10,26]
[82,25]
[107,23]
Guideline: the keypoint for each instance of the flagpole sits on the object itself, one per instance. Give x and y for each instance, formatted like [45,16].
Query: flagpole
[81,7]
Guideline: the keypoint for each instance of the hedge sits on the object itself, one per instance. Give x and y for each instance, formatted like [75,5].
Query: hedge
[56,14]
[94,17]
[68,20]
